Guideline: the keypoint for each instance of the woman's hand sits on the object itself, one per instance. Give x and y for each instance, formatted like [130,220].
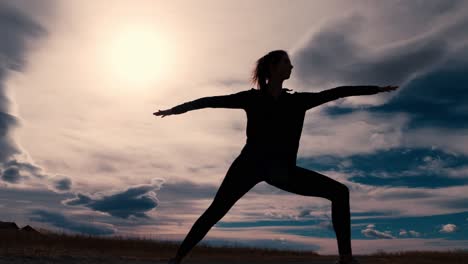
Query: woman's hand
[163,113]
[387,88]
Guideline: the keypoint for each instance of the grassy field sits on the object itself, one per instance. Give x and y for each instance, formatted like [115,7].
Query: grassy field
[19,247]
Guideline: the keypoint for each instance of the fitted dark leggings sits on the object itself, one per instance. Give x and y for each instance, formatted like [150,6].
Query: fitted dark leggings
[243,175]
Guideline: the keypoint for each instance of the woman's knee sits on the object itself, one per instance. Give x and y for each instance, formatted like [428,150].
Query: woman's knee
[342,192]
[339,194]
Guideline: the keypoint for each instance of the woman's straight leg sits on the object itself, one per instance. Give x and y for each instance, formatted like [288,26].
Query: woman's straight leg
[310,183]
[238,181]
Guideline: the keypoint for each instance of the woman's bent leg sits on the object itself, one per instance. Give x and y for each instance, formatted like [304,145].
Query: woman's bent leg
[310,183]
[234,186]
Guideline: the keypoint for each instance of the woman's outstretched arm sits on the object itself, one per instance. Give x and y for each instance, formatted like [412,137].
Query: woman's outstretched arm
[314,99]
[237,100]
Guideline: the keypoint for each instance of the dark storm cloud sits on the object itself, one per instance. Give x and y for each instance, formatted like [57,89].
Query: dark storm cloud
[15,172]
[7,121]
[12,196]
[334,54]
[438,98]
[12,175]
[138,200]
[26,167]
[430,66]
[135,201]
[80,199]
[16,28]
[62,184]
[58,220]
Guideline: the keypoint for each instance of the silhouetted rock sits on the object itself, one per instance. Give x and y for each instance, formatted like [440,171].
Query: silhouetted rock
[30,230]
[8,226]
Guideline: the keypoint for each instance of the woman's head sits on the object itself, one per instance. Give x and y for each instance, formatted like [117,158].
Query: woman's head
[275,64]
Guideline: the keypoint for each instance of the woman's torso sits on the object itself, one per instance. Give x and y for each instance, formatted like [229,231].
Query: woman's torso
[274,126]
[274,129]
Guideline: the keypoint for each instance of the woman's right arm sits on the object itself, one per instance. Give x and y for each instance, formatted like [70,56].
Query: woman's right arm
[237,100]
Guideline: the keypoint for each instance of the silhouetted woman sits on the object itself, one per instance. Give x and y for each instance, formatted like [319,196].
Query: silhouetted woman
[274,124]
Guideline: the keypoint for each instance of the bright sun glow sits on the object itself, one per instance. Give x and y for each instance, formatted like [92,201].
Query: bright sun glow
[137,56]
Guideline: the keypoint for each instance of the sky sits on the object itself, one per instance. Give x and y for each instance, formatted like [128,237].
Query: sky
[82,153]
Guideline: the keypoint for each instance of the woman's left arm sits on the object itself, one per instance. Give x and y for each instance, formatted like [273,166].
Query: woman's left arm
[315,99]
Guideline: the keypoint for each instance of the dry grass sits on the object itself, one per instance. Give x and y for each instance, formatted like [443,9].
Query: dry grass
[423,257]
[56,244]
[17,244]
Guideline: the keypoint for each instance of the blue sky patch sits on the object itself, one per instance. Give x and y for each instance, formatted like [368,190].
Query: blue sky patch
[421,167]
[446,226]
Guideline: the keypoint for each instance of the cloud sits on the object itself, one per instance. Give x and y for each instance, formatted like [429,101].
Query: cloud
[385,134]
[398,166]
[334,55]
[370,231]
[19,171]
[27,174]
[427,9]
[453,203]
[80,199]
[403,194]
[17,28]
[280,215]
[349,134]
[27,168]
[7,122]
[187,190]
[448,228]
[412,233]
[59,220]
[135,201]
[12,175]
[428,65]
[434,95]
[368,214]
[62,183]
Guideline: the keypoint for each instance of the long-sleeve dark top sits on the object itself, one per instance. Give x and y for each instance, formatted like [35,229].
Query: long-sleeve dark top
[274,126]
